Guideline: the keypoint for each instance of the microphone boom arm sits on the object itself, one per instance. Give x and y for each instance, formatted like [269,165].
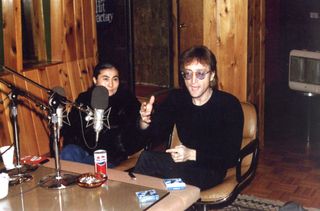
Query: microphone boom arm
[49,91]
[18,91]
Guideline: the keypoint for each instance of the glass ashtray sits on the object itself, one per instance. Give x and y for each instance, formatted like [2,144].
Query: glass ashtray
[90,180]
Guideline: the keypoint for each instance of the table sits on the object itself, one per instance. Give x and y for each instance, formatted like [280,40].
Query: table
[117,194]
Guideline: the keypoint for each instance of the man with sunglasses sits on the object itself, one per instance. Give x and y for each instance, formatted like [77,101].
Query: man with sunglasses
[209,124]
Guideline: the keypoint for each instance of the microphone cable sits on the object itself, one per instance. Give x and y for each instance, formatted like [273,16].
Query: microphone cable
[83,134]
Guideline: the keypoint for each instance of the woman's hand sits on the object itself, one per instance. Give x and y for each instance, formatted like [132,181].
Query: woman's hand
[145,113]
[182,153]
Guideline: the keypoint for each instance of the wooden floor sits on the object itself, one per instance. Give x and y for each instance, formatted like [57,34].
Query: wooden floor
[288,171]
[289,165]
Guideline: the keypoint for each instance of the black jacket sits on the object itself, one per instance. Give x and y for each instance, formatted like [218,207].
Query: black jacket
[122,139]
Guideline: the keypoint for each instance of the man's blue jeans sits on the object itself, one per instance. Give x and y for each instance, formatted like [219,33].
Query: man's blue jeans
[75,153]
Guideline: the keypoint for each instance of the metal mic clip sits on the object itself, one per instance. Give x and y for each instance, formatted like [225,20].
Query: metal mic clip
[89,116]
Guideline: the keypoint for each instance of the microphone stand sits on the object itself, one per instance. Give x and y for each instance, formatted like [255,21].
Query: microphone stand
[58,180]
[20,173]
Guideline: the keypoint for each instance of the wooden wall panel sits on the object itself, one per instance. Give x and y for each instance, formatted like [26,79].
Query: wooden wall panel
[5,125]
[11,11]
[232,46]
[38,117]
[38,29]
[73,47]
[210,38]
[69,41]
[84,74]
[225,33]
[256,61]
[56,77]
[79,35]
[56,17]
[89,29]
[74,77]
[26,128]
[240,60]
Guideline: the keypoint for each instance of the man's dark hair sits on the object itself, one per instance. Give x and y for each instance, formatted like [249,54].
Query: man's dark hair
[102,66]
[200,53]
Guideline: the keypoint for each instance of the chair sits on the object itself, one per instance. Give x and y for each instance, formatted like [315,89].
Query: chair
[237,177]
[129,164]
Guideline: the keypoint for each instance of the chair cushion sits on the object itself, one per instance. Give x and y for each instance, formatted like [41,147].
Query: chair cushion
[130,162]
[223,190]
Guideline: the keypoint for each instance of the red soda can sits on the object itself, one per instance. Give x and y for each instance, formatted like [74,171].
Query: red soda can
[100,162]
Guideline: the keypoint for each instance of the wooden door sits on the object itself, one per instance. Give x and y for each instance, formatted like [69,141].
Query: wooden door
[190,23]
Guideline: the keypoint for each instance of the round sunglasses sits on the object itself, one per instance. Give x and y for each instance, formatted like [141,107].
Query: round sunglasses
[200,74]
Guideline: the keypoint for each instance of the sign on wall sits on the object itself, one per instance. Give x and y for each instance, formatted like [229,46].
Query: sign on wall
[104,12]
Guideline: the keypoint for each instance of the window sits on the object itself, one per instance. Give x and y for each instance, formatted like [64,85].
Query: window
[36,43]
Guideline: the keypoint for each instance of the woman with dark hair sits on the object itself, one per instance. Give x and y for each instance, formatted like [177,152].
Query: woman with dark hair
[209,124]
[120,139]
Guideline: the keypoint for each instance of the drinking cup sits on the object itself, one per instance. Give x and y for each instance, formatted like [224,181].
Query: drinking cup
[7,157]
[4,185]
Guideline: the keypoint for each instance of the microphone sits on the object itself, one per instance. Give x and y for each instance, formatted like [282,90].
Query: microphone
[99,102]
[60,109]
[60,116]
[59,90]
[58,96]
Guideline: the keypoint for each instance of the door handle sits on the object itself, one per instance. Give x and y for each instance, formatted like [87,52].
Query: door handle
[182,25]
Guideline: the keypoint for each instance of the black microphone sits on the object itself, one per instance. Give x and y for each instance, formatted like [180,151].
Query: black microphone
[58,96]
[99,102]
[59,90]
